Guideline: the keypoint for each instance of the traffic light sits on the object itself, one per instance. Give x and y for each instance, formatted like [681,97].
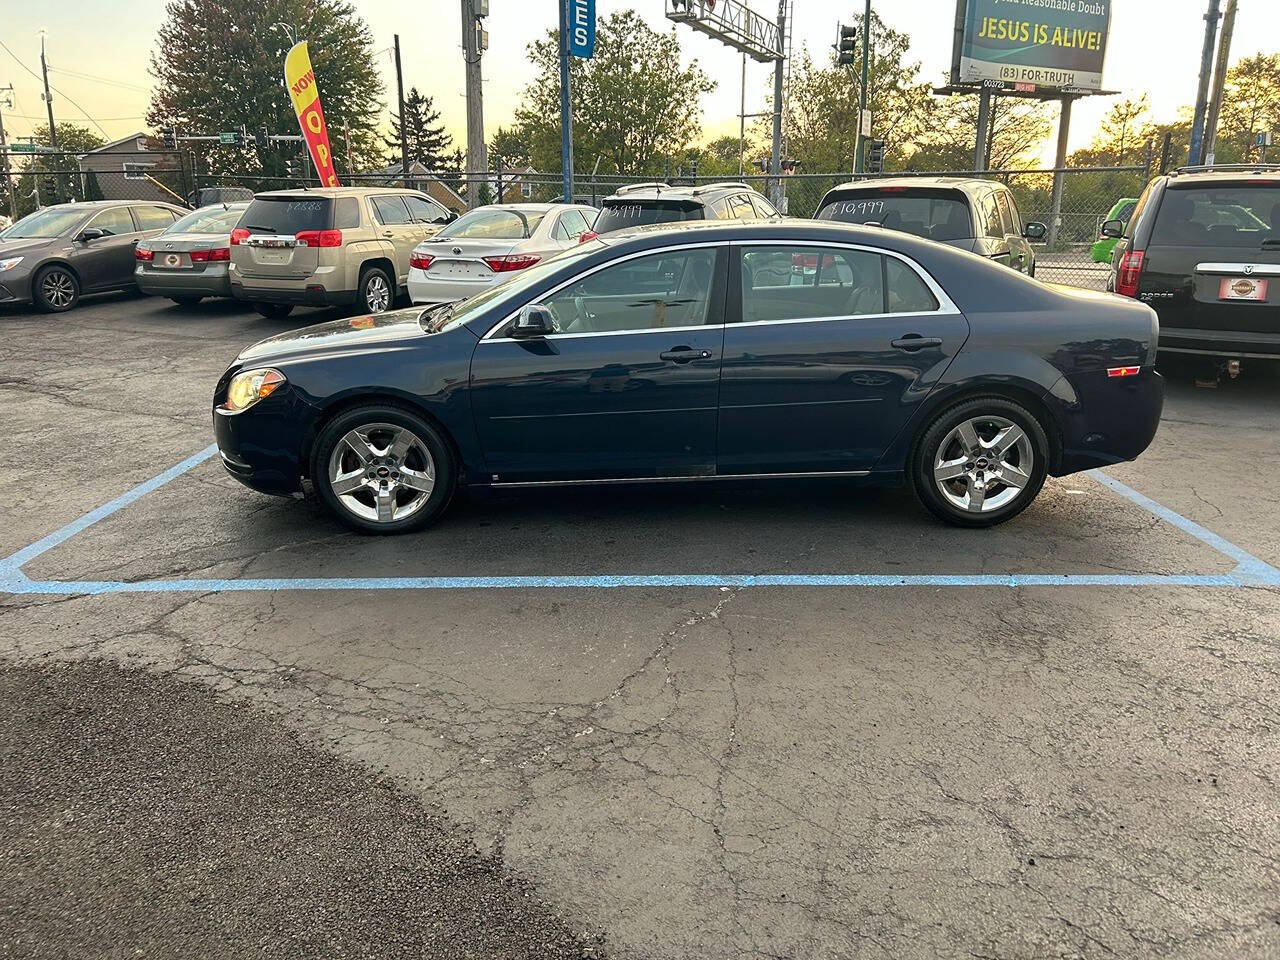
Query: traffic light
[243,139]
[293,168]
[875,156]
[260,137]
[693,166]
[846,45]
[170,137]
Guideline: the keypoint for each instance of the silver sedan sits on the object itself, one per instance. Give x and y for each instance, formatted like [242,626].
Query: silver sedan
[489,243]
[189,260]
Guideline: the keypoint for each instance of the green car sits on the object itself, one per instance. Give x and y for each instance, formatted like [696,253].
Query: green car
[1123,210]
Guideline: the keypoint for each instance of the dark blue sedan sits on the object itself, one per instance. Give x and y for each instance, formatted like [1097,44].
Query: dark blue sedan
[705,352]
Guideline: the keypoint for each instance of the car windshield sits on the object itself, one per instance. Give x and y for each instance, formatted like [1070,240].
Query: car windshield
[933,214]
[1237,215]
[288,214]
[492,225]
[619,214]
[216,219]
[49,222]
[451,315]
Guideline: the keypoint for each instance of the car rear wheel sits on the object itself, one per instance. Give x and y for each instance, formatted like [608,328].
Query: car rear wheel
[383,469]
[980,462]
[376,292]
[55,289]
[274,311]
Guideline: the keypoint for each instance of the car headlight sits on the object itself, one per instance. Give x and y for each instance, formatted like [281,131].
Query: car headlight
[250,386]
[9,264]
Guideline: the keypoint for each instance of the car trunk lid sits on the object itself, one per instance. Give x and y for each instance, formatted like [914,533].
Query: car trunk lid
[463,258]
[273,248]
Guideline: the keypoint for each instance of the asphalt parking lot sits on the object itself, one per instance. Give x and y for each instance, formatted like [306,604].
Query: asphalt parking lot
[798,721]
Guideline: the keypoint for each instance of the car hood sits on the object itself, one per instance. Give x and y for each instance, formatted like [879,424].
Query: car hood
[21,245]
[351,334]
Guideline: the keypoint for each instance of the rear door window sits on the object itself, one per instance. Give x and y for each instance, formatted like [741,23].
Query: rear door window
[620,214]
[391,211]
[740,207]
[288,215]
[1232,215]
[905,292]
[936,214]
[153,218]
[808,283]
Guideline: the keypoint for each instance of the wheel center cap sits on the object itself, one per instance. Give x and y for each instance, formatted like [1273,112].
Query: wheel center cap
[983,463]
[383,473]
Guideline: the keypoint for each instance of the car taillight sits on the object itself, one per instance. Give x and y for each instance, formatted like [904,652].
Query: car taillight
[804,261]
[238,236]
[142,253]
[420,261]
[588,235]
[1123,371]
[318,238]
[211,256]
[1130,273]
[512,261]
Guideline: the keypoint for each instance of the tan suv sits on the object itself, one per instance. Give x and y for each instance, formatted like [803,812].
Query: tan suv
[331,246]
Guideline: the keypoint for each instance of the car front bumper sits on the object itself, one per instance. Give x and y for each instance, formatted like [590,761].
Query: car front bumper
[15,285]
[262,447]
[425,289]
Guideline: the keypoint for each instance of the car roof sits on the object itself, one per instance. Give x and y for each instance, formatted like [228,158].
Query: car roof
[950,183]
[691,192]
[336,192]
[1191,177]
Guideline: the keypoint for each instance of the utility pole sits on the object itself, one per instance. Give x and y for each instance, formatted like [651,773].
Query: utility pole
[742,120]
[1202,93]
[779,65]
[477,162]
[404,136]
[984,123]
[566,110]
[1219,79]
[6,100]
[862,94]
[48,97]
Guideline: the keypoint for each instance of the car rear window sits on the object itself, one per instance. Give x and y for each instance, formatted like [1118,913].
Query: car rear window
[212,220]
[492,225]
[619,214]
[935,214]
[1232,215]
[288,214]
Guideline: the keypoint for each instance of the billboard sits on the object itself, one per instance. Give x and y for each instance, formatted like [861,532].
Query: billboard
[1048,43]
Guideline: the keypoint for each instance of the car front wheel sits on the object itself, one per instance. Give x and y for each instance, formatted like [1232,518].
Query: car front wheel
[55,289]
[980,463]
[383,469]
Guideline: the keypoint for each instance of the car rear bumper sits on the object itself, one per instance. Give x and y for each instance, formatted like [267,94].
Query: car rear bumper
[210,282]
[1106,420]
[424,289]
[1220,343]
[307,295]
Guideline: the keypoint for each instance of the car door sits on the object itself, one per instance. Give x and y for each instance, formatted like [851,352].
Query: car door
[823,367]
[627,386]
[1021,256]
[395,224]
[107,262]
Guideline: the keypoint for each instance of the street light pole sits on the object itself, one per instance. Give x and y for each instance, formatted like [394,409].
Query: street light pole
[566,113]
[6,100]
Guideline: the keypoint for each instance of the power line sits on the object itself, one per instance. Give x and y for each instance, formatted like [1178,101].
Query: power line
[25,116]
[6,49]
[89,76]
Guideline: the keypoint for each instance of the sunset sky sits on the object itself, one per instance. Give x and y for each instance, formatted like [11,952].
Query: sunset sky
[99,52]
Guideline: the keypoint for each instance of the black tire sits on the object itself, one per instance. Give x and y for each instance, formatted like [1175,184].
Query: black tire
[55,289]
[274,311]
[376,292]
[189,301]
[379,416]
[927,452]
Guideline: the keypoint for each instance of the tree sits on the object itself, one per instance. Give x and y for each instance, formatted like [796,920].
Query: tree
[634,106]
[220,63]
[425,136]
[55,176]
[72,137]
[511,144]
[1251,105]
[1018,128]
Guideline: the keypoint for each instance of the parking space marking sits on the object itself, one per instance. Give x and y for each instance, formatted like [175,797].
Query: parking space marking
[1250,571]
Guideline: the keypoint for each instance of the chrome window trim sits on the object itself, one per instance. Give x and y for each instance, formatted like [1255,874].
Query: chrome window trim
[489,336]
[1257,269]
[946,306]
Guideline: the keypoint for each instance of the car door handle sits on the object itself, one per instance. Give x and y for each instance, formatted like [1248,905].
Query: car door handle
[913,341]
[685,354]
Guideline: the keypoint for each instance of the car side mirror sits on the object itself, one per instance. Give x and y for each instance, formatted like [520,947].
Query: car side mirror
[535,320]
[1036,230]
[1113,229]
[90,233]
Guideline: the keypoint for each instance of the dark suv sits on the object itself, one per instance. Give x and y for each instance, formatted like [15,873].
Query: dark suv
[641,204]
[1203,250]
[975,215]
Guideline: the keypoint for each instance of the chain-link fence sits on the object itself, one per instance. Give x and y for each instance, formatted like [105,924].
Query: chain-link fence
[1072,202]
[41,179]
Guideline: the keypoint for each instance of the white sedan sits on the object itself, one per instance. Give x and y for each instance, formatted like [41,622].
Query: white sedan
[486,244]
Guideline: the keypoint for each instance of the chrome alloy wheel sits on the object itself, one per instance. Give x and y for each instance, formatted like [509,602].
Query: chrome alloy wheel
[984,464]
[377,295]
[58,289]
[381,472]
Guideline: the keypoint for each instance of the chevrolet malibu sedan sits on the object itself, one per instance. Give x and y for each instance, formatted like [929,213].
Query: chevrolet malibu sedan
[693,354]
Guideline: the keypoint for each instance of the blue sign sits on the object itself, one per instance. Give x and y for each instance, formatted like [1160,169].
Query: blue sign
[582,28]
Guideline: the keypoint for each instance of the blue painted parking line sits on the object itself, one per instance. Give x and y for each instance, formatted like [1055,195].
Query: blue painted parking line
[1250,571]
